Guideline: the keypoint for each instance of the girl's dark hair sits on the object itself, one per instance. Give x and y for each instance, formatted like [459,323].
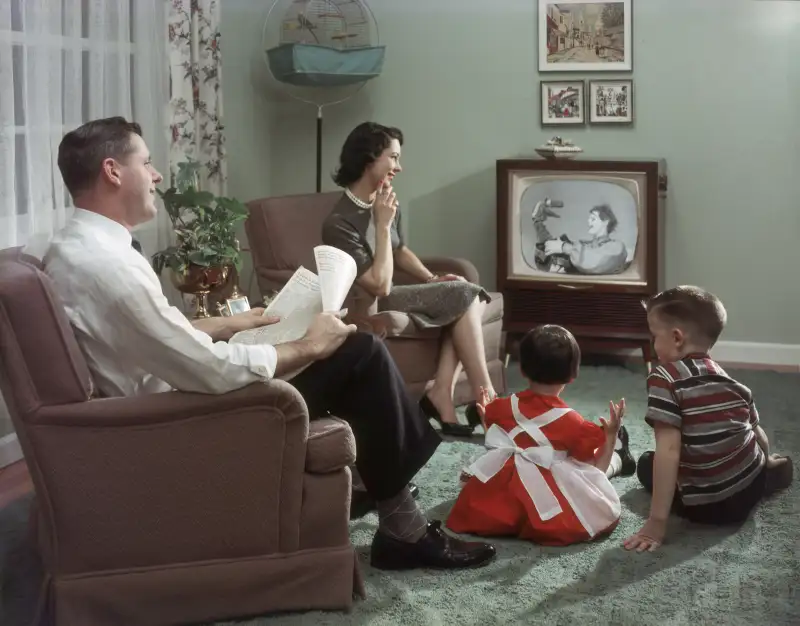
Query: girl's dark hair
[549,355]
[365,143]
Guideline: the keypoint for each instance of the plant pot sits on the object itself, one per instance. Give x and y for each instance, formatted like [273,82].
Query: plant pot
[199,281]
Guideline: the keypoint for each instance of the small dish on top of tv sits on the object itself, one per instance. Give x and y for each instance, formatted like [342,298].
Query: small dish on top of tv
[558,148]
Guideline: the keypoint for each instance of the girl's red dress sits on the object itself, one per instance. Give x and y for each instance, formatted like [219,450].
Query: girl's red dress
[578,501]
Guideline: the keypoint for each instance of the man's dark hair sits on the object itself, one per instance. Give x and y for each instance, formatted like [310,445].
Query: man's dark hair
[694,310]
[605,213]
[365,143]
[82,151]
[549,355]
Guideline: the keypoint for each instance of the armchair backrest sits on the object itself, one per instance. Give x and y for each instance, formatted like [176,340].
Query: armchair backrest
[282,233]
[40,361]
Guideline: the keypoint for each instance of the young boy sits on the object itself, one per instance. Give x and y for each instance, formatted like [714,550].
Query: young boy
[709,444]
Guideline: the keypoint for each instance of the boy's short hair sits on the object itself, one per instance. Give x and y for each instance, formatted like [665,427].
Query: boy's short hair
[694,310]
[549,355]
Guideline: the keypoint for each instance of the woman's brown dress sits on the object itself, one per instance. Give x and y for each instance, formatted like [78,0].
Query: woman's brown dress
[429,305]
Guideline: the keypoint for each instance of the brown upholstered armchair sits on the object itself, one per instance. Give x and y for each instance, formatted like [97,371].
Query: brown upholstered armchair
[174,507]
[282,233]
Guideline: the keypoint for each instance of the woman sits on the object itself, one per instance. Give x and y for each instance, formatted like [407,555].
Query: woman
[598,255]
[365,223]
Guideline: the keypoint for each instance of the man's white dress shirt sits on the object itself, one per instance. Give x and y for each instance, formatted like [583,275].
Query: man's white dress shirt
[133,340]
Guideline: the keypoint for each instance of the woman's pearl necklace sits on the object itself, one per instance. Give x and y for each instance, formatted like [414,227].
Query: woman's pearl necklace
[358,201]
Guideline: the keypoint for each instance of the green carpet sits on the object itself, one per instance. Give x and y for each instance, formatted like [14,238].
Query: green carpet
[748,575]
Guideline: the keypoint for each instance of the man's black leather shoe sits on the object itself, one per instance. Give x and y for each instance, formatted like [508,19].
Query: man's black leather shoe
[362,503]
[435,550]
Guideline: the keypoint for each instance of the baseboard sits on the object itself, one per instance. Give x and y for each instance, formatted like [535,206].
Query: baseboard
[786,356]
[780,356]
[10,452]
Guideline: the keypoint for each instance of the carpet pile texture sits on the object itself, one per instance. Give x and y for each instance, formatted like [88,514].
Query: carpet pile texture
[743,575]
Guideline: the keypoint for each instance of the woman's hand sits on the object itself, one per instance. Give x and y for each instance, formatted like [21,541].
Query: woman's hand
[447,277]
[385,205]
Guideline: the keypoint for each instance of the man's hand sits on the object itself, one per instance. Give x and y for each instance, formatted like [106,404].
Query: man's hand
[553,246]
[649,537]
[327,333]
[254,318]
[223,328]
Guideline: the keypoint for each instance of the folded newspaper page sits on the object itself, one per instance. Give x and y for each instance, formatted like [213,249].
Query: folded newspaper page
[304,296]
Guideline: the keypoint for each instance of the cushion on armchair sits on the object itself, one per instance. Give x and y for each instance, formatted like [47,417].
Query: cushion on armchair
[331,446]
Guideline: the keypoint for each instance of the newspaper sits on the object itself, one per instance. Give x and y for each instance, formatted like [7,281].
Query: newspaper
[304,296]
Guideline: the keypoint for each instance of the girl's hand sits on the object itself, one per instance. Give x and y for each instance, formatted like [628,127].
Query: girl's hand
[483,399]
[616,412]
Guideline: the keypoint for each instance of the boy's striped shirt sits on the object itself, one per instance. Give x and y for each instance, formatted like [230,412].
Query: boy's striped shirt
[717,416]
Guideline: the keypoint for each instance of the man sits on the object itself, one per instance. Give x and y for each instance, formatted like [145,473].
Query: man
[136,343]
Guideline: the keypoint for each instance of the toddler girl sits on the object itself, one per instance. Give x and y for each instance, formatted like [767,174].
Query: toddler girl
[544,477]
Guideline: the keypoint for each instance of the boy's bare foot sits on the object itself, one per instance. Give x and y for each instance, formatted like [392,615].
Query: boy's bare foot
[780,473]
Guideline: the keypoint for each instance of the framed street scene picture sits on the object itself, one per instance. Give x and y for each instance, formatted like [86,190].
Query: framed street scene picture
[610,101]
[584,36]
[562,103]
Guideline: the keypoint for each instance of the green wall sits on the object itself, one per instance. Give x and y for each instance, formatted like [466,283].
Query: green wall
[717,94]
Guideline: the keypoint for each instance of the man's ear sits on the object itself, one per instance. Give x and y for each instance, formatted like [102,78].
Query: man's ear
[111,172]
[678,336]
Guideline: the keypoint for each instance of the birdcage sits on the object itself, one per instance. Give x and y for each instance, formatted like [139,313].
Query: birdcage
[318,49]
[326,43]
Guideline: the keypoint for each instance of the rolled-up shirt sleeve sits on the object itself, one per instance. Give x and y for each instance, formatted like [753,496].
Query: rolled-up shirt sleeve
[158,338]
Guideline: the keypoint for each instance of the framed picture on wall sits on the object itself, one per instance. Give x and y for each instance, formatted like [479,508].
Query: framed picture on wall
[562,103]
[610,101]
[585,35]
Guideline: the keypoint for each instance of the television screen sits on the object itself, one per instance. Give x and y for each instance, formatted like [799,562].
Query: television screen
[581,227]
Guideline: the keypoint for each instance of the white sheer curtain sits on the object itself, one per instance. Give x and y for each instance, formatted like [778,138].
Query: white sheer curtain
[62,63]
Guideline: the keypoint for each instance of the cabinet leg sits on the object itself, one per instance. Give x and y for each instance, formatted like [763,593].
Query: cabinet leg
[647,355]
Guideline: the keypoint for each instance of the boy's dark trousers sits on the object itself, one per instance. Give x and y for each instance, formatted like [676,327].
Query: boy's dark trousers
[732,510]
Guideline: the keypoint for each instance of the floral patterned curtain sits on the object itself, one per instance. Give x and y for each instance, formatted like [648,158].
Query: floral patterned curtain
[195,106]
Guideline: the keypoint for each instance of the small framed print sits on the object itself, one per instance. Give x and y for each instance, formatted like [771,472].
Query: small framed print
[562,103]
[237,305]
[611,101]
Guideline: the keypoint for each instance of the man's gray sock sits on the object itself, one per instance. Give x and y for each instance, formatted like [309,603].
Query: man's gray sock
[400,517]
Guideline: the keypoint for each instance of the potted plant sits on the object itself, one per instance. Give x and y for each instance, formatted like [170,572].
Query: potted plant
[205,246]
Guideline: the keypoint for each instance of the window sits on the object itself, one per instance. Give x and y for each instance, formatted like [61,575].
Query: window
[63,62]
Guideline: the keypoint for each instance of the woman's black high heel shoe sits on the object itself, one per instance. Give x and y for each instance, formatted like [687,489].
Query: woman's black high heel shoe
[448,428]
[473,417]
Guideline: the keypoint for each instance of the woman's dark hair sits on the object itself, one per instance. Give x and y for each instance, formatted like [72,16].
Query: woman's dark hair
[605,213]
[83,150]
[549,355]
[365,143]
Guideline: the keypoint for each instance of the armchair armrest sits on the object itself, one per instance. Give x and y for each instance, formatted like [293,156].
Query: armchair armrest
[281,400]
[171,478]
[452,265]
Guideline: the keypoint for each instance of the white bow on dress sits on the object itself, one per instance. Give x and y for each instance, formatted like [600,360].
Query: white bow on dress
[527,461]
